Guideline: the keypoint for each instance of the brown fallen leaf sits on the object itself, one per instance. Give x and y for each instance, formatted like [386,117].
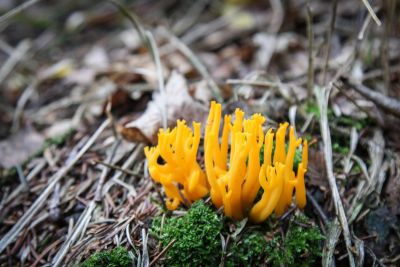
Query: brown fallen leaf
[316,169]
[19,147]
[180,105]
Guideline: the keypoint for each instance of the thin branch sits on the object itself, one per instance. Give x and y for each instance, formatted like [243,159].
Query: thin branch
[371,12]
[118,168]
[160,76]
[18,53]
[322,96]
[185,50]
[329,40]
[17,10]
[252,83]
[148,40]
[157,257]
[387,103]
[310,36]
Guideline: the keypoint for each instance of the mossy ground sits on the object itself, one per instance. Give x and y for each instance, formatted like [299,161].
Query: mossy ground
[117,257]
[197,241]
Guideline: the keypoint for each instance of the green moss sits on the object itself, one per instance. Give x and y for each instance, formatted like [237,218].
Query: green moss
[347,121]
[117,257]
[343,150]
[196,236]
[249,251]
[302,245]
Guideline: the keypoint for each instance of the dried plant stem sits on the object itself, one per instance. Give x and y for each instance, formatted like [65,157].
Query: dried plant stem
[40,201]
[371,12]
[365,188]
[104,172]
[310,35]
[185,50]
[16,10]
[160,76]
[159,255]
[148,40]
[252,83]
[322,96]
[389,104]
[329,40]
[17,55]
[332,238]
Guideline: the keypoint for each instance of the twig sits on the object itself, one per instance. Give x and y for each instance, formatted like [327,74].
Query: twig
[377,116]
[376,260]
[18,53]
[132,18]
[389,104]
[16,10]
[160,77]
[22,178]
[252,83]
[156,258]
[184,49]
[371,12]
[47,250]
[116,178]
[116,167]
[365,188]
[39,202]
[21,104]
[145,251]
[190,17]
[320,212]
[29,177]
[329,40]
[148,40]
[78,229]
[364,27]
[322,96]
[104,172]
[310,36]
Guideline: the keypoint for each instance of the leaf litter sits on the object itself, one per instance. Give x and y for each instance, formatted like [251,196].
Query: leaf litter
[72,167]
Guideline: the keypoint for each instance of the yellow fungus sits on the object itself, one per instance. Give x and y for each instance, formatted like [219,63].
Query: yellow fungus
[233,175]
[178,148]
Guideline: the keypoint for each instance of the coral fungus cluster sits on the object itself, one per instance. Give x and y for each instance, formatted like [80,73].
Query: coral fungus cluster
[233,173]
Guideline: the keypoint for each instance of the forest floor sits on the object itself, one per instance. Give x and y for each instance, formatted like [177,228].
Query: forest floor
[83,83]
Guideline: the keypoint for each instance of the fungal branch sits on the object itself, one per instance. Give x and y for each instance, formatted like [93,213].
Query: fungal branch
[178,149]
[233,175]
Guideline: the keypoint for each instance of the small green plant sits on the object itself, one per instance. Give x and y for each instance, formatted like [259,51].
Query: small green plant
[250,250]
[302,245]
[312,107]
[195,236]
[117,257]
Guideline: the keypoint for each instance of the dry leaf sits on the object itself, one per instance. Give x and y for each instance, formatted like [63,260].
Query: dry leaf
[19,147]
[180,105]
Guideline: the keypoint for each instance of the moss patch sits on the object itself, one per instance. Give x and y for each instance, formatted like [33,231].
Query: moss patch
[117,257]
[196,235]
[250,250]
[302,245]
